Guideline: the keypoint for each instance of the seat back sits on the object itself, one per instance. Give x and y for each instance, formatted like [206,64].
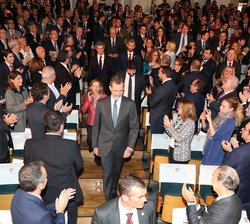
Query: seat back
[8,183]
[5,217]
[205,185]
[159,144]
[69,135]
[172,177]
[244,218]
[179,215]
[197,145]
[19,139]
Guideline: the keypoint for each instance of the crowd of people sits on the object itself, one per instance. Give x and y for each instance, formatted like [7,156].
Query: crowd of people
[193,59]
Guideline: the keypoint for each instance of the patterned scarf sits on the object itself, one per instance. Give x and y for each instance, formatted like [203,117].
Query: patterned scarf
[218,121]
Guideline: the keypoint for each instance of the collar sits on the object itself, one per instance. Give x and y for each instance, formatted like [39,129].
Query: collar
[21,90]
[166,80]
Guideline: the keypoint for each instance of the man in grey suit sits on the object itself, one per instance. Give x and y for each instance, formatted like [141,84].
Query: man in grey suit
[114,134]
[131,207]
[226,209]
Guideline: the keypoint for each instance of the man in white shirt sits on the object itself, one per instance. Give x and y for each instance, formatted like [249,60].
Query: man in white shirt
[131,207]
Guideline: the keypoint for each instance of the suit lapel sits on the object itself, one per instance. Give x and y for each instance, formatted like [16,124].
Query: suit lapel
[108,110]
[121,111]
[141,215]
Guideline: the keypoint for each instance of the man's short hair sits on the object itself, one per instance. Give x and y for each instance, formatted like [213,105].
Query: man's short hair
[53,121]
[229,177]
[47,72]
[62,55]
[210,49]
[166,59]
[131,64]
[6,52]
[200,85]
[117,80]
[100,43]
[196,64]
[166,70]
[128,181]
[234,81]
[39,90]
[30,176]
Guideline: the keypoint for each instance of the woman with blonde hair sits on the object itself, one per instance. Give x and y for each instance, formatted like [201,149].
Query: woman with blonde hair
[181,132]
[219,129]
[94,94]
[171,47]
[227,71]
[25,48]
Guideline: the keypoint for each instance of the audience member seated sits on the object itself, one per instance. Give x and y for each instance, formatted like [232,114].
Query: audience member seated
[152,61]
[35,68]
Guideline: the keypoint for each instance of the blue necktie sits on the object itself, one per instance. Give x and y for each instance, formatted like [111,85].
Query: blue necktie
[114,114]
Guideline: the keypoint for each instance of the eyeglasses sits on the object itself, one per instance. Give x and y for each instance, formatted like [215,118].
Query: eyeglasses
[176,64]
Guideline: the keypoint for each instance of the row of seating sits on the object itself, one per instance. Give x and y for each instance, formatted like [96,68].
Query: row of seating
[171,179]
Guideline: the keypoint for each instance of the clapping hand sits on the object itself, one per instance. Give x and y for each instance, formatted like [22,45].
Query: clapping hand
[63,199]
[166,121]
[10,119]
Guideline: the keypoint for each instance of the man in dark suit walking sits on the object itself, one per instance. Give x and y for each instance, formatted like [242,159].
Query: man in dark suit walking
[33,180]
[225,209]
[100,67]
[61,172]
[161,100]
[114,134]
[133,199]
[134,84]
[238,158]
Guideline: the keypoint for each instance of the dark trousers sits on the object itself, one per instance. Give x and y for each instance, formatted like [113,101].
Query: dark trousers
[72,210]
[89,138]
[112,167]
[171,157]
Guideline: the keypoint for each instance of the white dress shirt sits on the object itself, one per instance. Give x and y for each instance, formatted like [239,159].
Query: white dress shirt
[126,83]
[123,211]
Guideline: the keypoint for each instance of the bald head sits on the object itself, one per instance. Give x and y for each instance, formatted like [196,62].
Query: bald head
[40,51]
[48,74]
[112,32]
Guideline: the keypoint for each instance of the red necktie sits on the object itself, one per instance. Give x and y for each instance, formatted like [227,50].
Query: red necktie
[11,67]
[223,94]
[129,220]
[69,71]
[100,62]
[130,57]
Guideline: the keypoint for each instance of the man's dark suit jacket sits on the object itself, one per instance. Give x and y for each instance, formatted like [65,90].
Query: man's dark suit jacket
[40,28]
[186,81]
[154,75]
[208,70]
[123,60]
[108,213]
[98,32]
[18,64]
[224,211]
[62,160]
[60,35]
[161,103]
[223,64]
[103,75]
[177,39]
[33,44]
[1,50]
[139,44]
[35,116]
[105,137]
[119,46]
[199,47]
[215,105]
[52,99]
[27,208]
[139,87]
[239,159]
[48,46]
[4,71]
[62,77]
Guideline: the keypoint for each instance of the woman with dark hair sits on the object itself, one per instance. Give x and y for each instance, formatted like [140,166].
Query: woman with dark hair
[94,94]
[181,132]
[160,39]
[17,98]
[35,67]
[179,70]
[219,129]
[152,61]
